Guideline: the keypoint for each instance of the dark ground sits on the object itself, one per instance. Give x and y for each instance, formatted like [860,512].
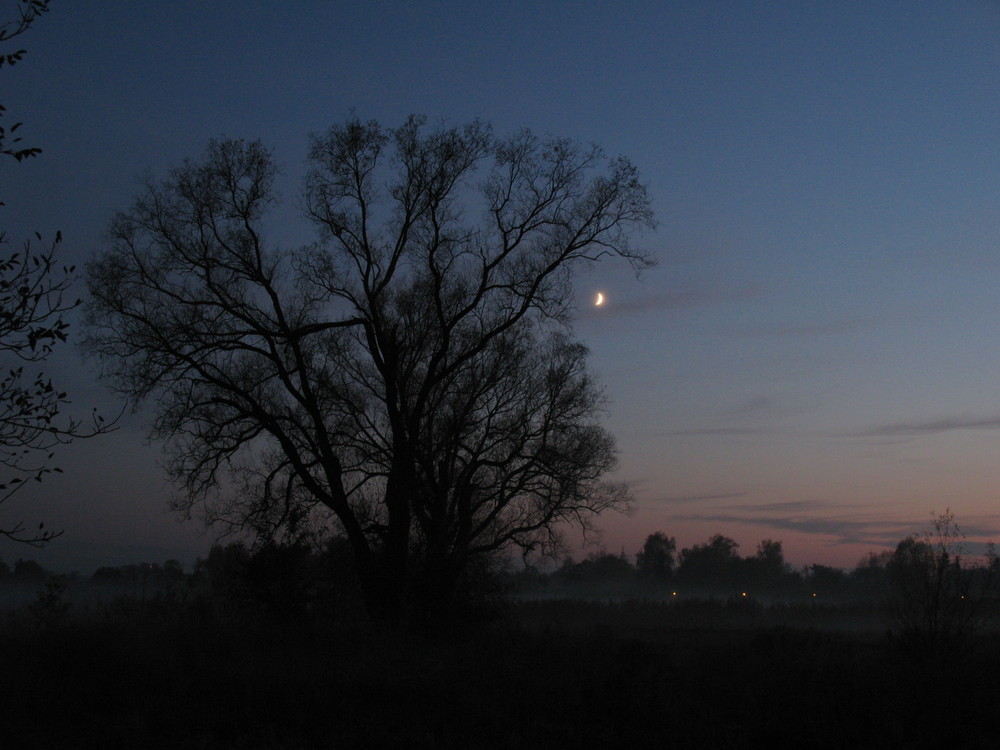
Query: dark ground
[544,675]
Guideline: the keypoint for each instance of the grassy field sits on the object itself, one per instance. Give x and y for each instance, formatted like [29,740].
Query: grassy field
[558,674]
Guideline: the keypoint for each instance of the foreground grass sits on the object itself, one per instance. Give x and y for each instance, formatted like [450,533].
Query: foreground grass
[548,675]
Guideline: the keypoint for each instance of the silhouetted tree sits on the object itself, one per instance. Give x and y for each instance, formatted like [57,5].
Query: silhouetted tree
[715,562]
[108,574]
[173,570]
[29,570]
[869,578]
[656,558]
[771,558]
[824,580]
[767,569]
[50,607]
[603,566]
[225,570]
[27,12]
[408,374]
[33,304]
[597,568]
[934,599]
[282,577]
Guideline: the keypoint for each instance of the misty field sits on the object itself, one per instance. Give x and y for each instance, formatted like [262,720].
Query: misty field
[546,674]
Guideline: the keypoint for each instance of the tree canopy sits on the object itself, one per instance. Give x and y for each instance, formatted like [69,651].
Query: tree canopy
[34,301]
[409,376]
[656,558]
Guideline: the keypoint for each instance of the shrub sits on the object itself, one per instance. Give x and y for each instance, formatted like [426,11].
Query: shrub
[935,599]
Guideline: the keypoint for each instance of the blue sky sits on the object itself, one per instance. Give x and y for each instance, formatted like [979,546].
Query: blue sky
[816,358]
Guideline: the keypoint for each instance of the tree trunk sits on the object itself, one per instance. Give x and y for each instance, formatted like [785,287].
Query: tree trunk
[437,592]
[391,581]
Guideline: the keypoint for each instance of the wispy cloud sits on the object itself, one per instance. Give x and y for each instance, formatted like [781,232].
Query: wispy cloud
[934,426]
[812,330]
[831,523]
[681,499]
[672,301]
[838,523]
[710,431]
[752,407]
[842,530]
[786,507]
[981,529]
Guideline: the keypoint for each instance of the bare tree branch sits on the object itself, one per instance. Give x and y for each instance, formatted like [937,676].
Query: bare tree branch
[34,300]
[409,373]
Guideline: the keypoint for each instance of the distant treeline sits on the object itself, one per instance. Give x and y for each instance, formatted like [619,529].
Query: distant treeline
[285,578]
[715,568]
[292,578]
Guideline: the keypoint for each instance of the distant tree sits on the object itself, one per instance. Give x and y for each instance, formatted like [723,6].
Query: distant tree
[29,570]
[277,578]
[33,304]
[869,577]
[173,570]
[599,567]
[50,607]
[824,580]
[935,598]
[715,562]
[603,566]
[767,569]
[771,558]
[225,569]
[282,578]
[656,558]
[408,377]
[108,574]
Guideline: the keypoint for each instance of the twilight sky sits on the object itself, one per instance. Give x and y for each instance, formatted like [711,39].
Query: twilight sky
[816,359]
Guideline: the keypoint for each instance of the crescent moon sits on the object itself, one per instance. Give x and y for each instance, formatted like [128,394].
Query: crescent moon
[600,300]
